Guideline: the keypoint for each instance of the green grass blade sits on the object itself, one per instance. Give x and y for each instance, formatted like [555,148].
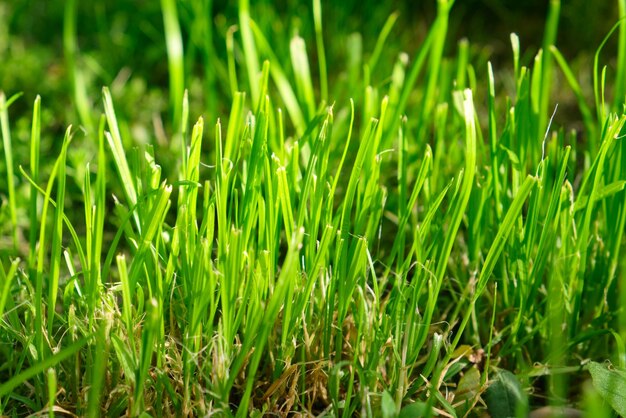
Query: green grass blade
[440,28]
[280,79]
[175,63]
[114,140]
[232,70]
[39,275]
[321,53]
[620,73]
[35,141]
[493,142]
[549,39]
[126,294]
[100,362]
[598,80]
[249,49]
[302,74]
[507,226]
[148,338]
[8,156]
[500,239]
[576,89]
[5,284]
[52,390]
[269,318]
[466,186]
[57,235]
[458,208]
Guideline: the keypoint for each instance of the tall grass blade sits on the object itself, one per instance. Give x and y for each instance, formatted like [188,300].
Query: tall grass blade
[174,42]
[57,234]
[8,156]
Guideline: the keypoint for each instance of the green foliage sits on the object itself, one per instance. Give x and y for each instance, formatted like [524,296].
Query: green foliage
[347,229]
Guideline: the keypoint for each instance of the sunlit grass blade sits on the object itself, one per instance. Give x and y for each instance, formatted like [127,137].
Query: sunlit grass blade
[620,73]
[440,28]
[57,234]
[423,173]
[549,39]
[39,275]
[269,317]
[249,48]
[286,268]
[576,89]
[114,140]
[321,52]
[493,142]
[458,206]
[282,83]
[232,71]
[599,79]
[5,284]
[52,391]
[99,211]
[126,295]
[302,73]
[595,177]
[8,156]
[35,141]
[500,240]
[176,68]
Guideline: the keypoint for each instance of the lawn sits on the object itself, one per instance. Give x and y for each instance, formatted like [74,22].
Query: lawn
[312,209]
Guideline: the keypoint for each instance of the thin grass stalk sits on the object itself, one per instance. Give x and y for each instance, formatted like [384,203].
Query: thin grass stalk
[175,60]
[8,156]
[549,39]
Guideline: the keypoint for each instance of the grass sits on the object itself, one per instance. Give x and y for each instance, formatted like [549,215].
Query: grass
[339,234]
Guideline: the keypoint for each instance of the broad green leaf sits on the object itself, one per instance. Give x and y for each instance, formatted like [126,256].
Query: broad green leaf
[505,396]
[388,406]
[611,384]
[416,409]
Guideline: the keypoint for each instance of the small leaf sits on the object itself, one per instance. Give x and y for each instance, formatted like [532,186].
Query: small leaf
[611,384]
[415,409]
[505,397]
[467,391]
[469,385]
[462,351]
[388,406]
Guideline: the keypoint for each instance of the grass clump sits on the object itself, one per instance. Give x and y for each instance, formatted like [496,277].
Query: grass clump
[339,233]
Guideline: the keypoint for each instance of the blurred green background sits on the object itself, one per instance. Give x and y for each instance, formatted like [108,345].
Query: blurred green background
[123,41]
